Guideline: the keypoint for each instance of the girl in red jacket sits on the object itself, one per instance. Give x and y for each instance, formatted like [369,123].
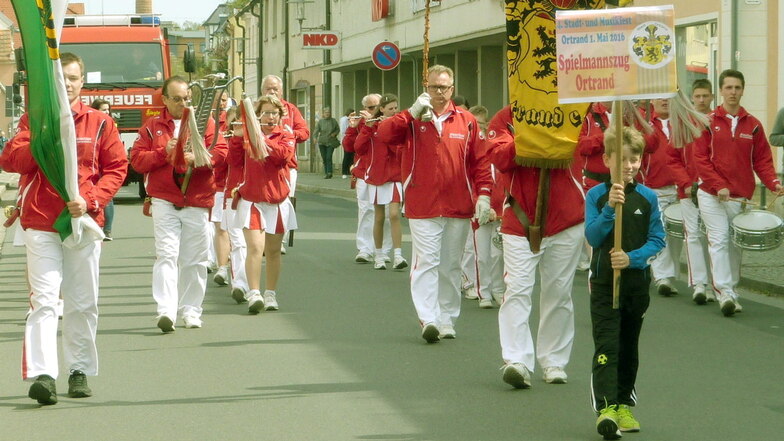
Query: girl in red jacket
[383,179]
[263,202]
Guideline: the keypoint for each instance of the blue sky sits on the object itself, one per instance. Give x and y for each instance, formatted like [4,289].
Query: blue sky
[170,10]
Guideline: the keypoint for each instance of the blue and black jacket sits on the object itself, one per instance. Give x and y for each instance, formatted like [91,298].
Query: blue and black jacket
[643,233]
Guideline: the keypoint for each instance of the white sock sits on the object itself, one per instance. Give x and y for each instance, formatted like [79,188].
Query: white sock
[379,253]
[398,252]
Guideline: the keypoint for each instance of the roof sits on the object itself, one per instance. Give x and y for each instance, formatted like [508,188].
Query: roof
[215,18]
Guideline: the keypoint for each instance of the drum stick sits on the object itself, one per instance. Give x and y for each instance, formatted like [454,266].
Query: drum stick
[775,196]
[742,201]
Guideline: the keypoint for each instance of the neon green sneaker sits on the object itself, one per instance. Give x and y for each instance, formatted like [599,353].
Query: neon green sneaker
[626,421]
[607,423]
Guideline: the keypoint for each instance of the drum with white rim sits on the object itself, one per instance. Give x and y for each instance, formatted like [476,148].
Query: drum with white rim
[673,221]
[757,230]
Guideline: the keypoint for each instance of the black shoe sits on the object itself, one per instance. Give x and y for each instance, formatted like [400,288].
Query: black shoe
[43,390]
[77,385]
[328,176]
[108,237]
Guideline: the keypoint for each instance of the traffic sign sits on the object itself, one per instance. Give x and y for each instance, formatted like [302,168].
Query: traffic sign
[386,55]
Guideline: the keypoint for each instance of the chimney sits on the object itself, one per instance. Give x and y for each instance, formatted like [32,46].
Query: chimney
[144,6]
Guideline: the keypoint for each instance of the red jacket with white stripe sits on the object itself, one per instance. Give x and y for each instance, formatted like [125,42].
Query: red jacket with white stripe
[729,159]
[590,144]
[566,200]
[440,172]
[220,172]
[149,156]
[383,159]
[657,173]
[683,169]
[102,166]
[295,124]
[361,161]
[268,180]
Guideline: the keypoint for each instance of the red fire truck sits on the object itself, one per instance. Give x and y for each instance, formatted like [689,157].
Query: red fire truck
[126,59]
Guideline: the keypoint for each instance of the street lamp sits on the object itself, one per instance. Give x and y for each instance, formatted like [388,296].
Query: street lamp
[299,13]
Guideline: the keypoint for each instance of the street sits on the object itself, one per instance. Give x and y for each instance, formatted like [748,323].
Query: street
[343,359]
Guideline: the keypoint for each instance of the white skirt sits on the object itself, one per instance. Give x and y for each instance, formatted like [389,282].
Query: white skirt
[385,193]
[270,218]
[216,214]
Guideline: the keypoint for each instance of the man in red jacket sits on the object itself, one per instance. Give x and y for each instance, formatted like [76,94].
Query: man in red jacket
[54,268]
[727,155]
[441,167]
[179,275]
[562,238]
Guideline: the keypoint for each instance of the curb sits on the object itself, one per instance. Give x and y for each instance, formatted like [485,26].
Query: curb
[347,194]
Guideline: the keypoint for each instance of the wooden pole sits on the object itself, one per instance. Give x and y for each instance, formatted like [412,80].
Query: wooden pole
[426,45]
[617,112]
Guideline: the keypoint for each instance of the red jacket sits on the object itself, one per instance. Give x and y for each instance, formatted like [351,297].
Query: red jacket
[440,172]
[268,180]
[657,173]
[296,124]
[102,166]
[590,144]
[220,171]
[728,160]
[236,170]
[566,200]
[683,169]
[149,156]
[361,160]
[383,159]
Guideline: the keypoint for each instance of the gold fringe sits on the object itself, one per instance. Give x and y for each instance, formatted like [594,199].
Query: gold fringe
[543,163]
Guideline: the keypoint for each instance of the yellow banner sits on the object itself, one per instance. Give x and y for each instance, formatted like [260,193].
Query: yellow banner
[545,131]
[616,54]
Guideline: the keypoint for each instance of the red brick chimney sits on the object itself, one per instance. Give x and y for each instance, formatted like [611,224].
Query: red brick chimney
[144,6]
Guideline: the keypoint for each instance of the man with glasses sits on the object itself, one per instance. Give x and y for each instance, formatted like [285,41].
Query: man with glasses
[179,275]
[444,175]
[366,212]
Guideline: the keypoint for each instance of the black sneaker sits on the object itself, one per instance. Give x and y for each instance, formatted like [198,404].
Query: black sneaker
[43,390]
[108,237]
[77,385]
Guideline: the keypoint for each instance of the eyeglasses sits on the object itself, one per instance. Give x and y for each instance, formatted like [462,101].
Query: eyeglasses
[370,107]
[438,89]
[270,114]
[177,99]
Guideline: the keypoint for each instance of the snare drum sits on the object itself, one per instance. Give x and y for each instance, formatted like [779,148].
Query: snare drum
[673,221]
[757,230]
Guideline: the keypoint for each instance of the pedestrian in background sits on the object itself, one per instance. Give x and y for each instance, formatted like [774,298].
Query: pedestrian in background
[348,157]
[52,267]
[443,171]
[104,106]
[326,133]
[616,332]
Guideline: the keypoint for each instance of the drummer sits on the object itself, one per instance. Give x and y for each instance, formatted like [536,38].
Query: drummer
[728,154]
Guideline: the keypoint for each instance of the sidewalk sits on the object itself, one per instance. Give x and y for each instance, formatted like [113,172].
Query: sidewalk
[762,270]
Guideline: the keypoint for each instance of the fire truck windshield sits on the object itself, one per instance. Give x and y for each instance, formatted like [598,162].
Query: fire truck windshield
[119,63]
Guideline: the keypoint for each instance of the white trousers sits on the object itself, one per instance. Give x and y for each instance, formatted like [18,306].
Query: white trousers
[557,262]
[179,275]
[239,249]
[696,251]
[53,269]
[724,255]
[437,245]
[293,182]
[666,265]
[483,262]
[365,215]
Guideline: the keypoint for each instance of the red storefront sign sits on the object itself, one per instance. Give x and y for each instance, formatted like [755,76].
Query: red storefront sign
[380,9]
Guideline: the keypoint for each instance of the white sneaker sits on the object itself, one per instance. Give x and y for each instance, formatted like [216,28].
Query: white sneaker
[380,265]
[447,331]
[191,321]
[212,267]
[270,301]
[387,259]
[238,294]
[499,298]
[486,303]
[665,288]
[400,263]
[727,305]
[710,295]
[470,293]
[738,308]
[255,302]
[282,249]
[363,257]
[517,375]
[222,276]
[699,296]
[344,176]
[430,333]
[59,308]
[554,375]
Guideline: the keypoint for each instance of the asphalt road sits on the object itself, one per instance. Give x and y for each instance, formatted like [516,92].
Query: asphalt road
[343,360]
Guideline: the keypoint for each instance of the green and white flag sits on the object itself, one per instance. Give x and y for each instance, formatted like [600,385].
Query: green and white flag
[52,134]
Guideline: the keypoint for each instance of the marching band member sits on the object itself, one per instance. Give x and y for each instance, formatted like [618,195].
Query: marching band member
[728,155]
[383,181]
[220,246]
[180,220]
[263,207]
[441,168]
[52,267]
[562,238]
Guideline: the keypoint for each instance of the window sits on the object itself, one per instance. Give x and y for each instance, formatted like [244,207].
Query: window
[696,54]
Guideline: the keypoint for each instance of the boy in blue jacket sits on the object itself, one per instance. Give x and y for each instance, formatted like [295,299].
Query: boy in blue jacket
[616,332]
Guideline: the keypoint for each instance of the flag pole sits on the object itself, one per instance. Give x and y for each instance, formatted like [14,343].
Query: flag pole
[617,112]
